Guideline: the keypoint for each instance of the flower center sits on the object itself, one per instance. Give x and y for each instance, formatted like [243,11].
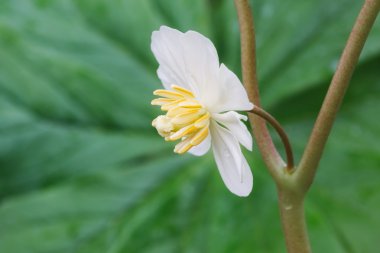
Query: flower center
[185,118]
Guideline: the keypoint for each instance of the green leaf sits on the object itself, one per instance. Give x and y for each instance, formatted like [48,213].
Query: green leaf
[82,170]
[37,152]
[299,43]
[79,210]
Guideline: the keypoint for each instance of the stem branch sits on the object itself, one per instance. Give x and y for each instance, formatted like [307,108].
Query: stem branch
[248,61]
[322,127]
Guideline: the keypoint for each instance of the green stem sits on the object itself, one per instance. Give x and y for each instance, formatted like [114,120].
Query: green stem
[290,201]
[293,221]
[322,127]
[264,141]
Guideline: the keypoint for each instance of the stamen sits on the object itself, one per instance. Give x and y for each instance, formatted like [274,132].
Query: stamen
[162,101]
[202,121]
[183,91]
[182,132]
[176,111]
[183,146]
[168,94]
[163,125]
[185,118]
[168,106]
[199,137]
[190,104]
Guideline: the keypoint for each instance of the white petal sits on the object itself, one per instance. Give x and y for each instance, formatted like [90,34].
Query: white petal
[233,167]
[188,60]
[202,147]
[232,121]
[233,96]
[166,47]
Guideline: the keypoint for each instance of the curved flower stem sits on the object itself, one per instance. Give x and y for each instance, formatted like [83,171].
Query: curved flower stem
[336,92]
[248,61]
[281,132]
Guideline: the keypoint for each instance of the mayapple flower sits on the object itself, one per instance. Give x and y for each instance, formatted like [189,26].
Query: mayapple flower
[200,99]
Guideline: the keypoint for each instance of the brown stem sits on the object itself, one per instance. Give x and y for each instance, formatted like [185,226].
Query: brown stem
[248,61]
[314,149]
[290,201]
[281,132]
[293,221]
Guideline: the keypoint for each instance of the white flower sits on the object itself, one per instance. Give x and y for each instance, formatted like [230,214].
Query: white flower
[200,99]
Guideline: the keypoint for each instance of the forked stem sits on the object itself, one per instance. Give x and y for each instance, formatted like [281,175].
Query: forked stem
[292,187]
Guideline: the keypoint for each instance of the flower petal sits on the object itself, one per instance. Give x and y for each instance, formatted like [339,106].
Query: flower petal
[231,163]
[232,121]
[188,60]
[232,95]
[202,147]
[166,47]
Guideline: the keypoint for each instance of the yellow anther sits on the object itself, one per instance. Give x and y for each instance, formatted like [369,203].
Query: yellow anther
[185,119]
[182,132]
[199,136]
[174,111]
[168,106]
[183,147]
[168,94]
[162,101]
[183,91]
[202,121]
[163,125]
[190,104]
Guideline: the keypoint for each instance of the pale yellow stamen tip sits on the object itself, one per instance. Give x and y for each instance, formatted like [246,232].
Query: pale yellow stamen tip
[183,91]
[171,105]
[199,136]
[163,125]
[186,118]
[182,132]
[183,147]
[161,101]
[168,94]
[189,104]
[202,121]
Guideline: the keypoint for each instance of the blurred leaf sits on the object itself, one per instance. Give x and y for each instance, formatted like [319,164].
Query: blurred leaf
[84,78]
[64,217]
[61,151]
[81,170]
[299,43]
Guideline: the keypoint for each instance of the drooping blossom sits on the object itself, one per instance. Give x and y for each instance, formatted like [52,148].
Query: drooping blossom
[200,99]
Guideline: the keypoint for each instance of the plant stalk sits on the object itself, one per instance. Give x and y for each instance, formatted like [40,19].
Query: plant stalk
[290,200]
[264,141]
[293,221]
[322,127]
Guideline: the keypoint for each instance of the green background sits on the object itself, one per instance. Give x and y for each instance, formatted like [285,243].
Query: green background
[82,170]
